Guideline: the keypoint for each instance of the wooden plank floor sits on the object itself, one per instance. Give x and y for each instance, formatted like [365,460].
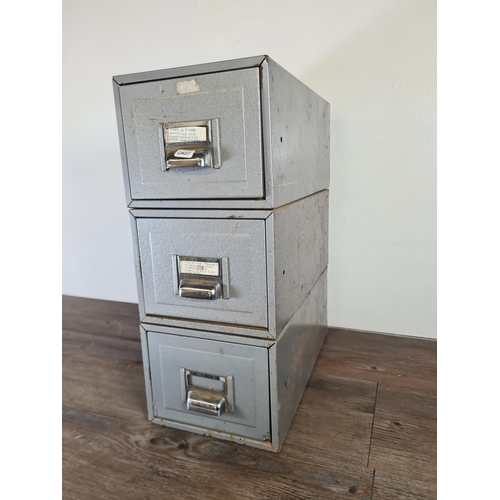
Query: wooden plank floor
[365,428]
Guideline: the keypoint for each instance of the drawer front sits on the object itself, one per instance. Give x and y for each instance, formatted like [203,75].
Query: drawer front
[209,384]
[204,269]
[194,138]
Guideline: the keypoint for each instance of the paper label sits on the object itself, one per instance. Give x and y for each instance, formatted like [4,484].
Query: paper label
[184,153]
[196,267]
[176,135]
[187,86]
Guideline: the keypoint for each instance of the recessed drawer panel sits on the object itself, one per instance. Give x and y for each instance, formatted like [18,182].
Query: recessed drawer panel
[209,384]
[204,269]
[194,138]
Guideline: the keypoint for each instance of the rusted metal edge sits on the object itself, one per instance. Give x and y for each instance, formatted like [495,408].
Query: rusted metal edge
[264,445]
[231,336]
[199,213]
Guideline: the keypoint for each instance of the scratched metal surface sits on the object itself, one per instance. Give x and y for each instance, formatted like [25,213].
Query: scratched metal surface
[185,71]
[295,354]
[300,252]
[233,97]
[275,135]
[274,153]
[247,364]
[267,396]
[297,134]
[241,241]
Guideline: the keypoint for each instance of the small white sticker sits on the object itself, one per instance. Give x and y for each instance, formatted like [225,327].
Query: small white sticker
[176,135]
[187,86]
[196,267]
[183,153]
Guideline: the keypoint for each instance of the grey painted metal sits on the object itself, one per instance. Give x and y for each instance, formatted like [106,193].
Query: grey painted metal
[187,323]
[256,238]
[121,140]
[293,356]
[248,366]
[300,252]
[185,71]
[293,141]
[233,98]
[147,372]
[241,241]
[200,214]
[270,267]
[299,122]
[265,100]
[273,399]
[207,326]
[138,267]
[208,335]
[208,204]
[296,253]
[291,360]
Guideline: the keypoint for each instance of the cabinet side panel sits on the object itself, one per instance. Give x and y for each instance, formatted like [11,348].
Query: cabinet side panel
[300,137]
[300,252]
[296,352]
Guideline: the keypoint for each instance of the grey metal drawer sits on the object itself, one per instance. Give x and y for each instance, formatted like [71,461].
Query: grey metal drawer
[210,384]
[195,137]
[210,270]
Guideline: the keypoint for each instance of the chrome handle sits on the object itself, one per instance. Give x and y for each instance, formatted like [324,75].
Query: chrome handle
[214,395]
[206,402]
[193,288]
[189,162]
[188,157]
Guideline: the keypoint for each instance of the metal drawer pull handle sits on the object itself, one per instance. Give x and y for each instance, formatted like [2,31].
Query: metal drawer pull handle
[193,288]
[206,402]
[188,162]
[205,393]
[188,158]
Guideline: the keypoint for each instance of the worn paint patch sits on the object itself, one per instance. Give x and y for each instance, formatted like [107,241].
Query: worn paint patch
[187,86]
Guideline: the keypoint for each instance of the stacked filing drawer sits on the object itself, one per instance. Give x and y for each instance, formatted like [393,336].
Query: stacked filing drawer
[226,169]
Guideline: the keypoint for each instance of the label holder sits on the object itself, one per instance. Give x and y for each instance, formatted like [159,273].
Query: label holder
[216,268]
[202,137]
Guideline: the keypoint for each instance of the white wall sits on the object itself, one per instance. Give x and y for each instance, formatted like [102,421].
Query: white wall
[373,60]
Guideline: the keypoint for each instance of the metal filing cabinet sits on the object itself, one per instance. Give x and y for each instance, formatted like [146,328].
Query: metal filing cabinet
[226,169]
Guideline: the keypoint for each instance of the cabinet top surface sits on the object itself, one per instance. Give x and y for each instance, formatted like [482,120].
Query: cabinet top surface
[213,67]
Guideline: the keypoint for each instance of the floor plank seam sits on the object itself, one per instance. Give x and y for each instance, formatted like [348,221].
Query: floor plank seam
[102,335]
[373,424]
[373,485]
[111,451]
